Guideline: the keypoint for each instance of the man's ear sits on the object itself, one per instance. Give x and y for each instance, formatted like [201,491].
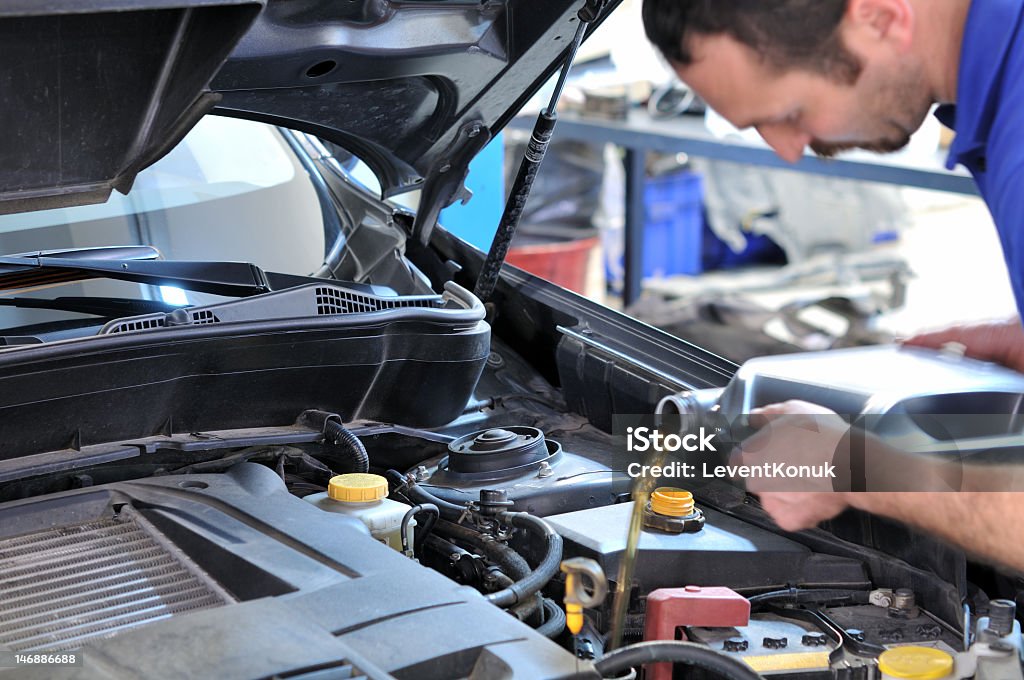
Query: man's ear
[871,22]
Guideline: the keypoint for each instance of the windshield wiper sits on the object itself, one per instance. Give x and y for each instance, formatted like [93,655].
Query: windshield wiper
[238,279]
[139,265]
[111,308]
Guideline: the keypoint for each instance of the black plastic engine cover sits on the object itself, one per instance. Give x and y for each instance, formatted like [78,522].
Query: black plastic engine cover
[300,590]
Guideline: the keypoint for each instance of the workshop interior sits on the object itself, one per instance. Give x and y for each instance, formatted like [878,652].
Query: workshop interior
[319,316]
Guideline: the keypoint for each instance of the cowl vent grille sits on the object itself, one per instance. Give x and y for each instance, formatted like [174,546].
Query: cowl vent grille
[293,303]
[63,586]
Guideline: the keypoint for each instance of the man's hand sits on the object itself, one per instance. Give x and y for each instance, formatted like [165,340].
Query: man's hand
[1001,342]
[800,433]
[796,510]
[796,433]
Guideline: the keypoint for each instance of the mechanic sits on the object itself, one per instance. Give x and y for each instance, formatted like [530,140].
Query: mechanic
[841,74]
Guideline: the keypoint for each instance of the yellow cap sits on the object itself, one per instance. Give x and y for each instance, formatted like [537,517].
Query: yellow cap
[916,663]
[357,487]
[672,502]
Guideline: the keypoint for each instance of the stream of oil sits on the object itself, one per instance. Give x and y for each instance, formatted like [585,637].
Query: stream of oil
[641,493]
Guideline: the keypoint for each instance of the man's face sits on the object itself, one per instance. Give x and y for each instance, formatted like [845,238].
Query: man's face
[798,108]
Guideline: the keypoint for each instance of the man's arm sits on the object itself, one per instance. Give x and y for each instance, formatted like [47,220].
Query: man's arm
[1001,342]
[981,515]
[985,523]
[982,519]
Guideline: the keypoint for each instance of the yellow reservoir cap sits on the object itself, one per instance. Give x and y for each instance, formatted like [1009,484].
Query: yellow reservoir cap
[672,502]
[915,663]
[357,487]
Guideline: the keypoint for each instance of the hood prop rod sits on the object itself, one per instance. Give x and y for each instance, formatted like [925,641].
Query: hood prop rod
[538,146]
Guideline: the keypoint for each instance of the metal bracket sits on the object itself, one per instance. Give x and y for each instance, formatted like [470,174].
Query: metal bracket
[446,181]
[317,420]
[591,10]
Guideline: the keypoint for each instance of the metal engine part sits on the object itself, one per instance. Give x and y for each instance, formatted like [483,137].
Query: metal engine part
[538,475]
[64,586]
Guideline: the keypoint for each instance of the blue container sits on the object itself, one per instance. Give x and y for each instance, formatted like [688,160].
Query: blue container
[673,224]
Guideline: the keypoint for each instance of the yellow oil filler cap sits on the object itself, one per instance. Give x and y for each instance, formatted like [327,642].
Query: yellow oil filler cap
[357,487]
[915,663]
[671,502]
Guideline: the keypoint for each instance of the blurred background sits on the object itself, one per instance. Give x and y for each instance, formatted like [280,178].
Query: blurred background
[731,248]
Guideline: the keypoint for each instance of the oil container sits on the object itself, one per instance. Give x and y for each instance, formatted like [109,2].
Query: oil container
[364,496]
[924,400]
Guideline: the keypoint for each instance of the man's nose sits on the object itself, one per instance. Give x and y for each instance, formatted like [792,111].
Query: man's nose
[788,143]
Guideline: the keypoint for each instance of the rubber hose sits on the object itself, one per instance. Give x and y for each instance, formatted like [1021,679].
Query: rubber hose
[544,571]
[501,579]
[686,653]
[417,494]
[352,449]
[428,526]
[803,595]
[511,563]
[524,610]
[446,549]
[507,559]
[424,528]
[554,619]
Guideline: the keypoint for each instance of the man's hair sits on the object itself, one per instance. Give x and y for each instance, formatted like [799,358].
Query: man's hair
[786,33]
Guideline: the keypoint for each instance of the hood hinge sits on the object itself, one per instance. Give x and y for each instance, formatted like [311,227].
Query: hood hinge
[446,182]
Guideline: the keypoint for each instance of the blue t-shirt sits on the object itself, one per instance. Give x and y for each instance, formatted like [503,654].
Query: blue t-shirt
[989,121]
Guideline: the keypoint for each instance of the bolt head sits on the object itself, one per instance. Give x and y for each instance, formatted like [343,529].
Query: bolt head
[814,640]
[735,644]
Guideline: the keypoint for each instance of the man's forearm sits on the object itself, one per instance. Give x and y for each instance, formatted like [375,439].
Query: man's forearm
[986,524]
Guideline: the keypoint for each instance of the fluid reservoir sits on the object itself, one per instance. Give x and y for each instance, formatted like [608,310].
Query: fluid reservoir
[915,663]
[364,496]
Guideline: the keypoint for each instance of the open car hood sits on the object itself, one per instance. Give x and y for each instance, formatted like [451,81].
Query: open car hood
[95,91]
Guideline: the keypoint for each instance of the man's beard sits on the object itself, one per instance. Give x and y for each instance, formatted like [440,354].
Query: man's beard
[829,150]
[902,103]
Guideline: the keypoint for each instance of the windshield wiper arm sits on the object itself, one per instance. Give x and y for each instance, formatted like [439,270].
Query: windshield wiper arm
[238,279]
[96,253]
[97,306]
[139,264]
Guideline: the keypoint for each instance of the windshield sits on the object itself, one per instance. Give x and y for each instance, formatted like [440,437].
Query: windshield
[231,190]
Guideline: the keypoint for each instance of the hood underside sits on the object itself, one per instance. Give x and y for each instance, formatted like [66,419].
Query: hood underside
[95,91]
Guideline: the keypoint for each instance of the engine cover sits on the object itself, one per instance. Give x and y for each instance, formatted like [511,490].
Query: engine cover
[230,576]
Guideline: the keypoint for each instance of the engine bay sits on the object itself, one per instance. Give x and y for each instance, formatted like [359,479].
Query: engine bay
[210,541]
[369,471]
